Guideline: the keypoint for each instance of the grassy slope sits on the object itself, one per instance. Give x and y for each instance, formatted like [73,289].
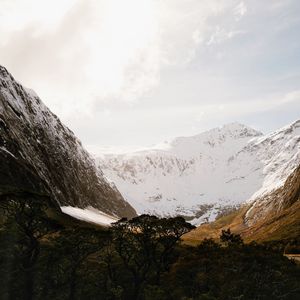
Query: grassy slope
[285,225]
[212,230]
[281,226]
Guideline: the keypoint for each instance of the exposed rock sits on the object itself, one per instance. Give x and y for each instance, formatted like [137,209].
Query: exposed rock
[39,153]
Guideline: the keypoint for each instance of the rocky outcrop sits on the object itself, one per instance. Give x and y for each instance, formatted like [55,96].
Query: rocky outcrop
[38,153]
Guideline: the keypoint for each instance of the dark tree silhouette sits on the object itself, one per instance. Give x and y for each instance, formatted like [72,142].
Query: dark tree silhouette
[26,222]
[78,245]
[145,245]
[230,239]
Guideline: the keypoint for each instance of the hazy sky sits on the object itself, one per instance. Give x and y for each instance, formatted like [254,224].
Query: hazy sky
[138,72]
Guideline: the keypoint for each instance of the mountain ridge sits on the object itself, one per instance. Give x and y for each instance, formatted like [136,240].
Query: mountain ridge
[180,177]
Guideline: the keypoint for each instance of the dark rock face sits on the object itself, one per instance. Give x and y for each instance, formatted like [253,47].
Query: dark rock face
[38,153]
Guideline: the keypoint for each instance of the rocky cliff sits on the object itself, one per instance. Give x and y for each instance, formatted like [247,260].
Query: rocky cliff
[38,153]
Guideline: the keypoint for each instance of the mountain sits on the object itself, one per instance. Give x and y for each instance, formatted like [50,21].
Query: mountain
[203,176]
[38,154]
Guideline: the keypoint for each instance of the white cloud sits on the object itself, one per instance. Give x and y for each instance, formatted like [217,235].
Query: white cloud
[41,15]
[97,50]
[76,54]
[291,97]
[147,61]
[240,10]
[220,35]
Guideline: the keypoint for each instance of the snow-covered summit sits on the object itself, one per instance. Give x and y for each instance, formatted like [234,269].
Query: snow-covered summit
[190,145]
[228,131]
[215,138]
[199,176]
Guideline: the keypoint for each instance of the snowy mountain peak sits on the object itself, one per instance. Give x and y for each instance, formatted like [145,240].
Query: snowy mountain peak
[220,134]
[200,176]
[238,129]
[3,71]
[232,130]
[291,128]
[228,139]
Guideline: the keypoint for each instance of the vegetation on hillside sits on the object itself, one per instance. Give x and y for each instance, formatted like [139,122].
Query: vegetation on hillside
[42,257]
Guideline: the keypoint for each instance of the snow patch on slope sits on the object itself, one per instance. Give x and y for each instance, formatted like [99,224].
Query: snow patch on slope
[280,154]
[89,214]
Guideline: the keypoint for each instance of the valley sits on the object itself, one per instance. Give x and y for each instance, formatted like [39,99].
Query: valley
[119,227]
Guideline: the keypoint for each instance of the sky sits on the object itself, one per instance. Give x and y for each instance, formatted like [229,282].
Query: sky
[123,74]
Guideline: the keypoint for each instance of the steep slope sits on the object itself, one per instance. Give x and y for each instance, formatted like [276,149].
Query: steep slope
[38,153]
[275,216]
[203,175]
[278,152]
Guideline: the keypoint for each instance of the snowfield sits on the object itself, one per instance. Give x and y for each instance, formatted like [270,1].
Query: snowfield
[90,215]
[200,176]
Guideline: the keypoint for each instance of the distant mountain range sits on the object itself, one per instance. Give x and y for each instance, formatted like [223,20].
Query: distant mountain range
[41,156]
[206,175]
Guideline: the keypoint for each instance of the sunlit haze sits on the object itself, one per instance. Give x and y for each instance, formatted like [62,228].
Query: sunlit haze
[137,72]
